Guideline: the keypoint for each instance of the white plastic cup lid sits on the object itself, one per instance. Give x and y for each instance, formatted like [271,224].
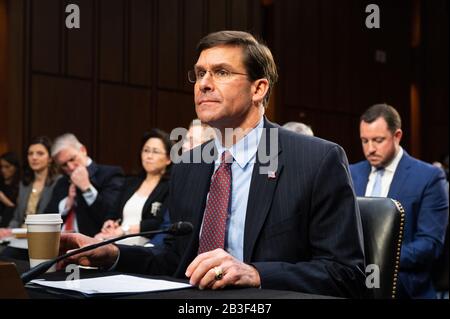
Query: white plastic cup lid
[42,219]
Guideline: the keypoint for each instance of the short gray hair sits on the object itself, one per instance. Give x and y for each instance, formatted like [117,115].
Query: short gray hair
[299,127]
[64,141]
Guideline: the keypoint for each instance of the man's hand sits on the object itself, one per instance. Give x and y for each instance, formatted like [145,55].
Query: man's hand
[104,256]
[71,196]
[202,271]
[80,177]
[5,232]
[110,224]
[110,229]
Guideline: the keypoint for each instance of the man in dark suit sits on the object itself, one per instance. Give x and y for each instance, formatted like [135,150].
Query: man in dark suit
[270,208]
[88,192]
[390,171]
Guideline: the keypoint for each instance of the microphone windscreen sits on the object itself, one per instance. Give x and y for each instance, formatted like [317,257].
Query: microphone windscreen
[181,228]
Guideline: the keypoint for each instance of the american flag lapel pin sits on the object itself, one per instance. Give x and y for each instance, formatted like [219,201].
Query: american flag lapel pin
[271,175]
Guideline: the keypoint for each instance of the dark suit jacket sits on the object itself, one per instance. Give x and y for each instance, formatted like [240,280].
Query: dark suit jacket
[420,188]
[108,181]
[302,228]
[7,213]
[160,194]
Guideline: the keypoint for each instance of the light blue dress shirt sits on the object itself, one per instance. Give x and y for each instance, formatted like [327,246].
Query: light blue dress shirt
[244,155]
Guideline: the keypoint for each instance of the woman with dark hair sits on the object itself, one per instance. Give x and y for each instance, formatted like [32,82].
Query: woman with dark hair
[9,186]
[36,187]
[143,198]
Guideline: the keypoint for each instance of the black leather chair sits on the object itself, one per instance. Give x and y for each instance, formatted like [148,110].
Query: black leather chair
[383,222]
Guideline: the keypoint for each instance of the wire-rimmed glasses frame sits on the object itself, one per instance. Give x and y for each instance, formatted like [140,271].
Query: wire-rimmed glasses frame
[219,75]
[153,151]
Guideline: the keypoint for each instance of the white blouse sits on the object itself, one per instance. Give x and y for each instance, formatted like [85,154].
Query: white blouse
[132,215]
[132,211]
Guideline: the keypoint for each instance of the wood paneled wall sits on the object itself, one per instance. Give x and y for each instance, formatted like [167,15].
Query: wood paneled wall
[3,75]
[329,74]
[433,79]
[124,71]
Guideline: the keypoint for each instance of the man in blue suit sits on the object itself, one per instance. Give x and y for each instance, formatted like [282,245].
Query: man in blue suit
[270,208]
[390,171]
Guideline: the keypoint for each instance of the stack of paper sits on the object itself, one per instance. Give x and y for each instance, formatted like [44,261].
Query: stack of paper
[113,284]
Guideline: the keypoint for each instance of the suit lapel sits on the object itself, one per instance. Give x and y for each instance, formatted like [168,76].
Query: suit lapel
[151,198]
[23,200]
[26,192]
[202,180]
[203,172]
[262,187]
[361,183]
[400,176]
[45,197]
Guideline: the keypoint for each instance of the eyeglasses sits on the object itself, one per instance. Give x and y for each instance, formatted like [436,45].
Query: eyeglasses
[154,151]
[219,75]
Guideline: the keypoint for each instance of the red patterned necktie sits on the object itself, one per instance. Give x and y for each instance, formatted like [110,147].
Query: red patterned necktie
[69,225]
[216,212]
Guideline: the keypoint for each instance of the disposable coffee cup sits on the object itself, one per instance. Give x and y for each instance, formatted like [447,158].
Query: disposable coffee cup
[43,233]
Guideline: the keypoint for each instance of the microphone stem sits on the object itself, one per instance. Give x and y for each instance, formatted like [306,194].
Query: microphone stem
[104,243]
[43,267]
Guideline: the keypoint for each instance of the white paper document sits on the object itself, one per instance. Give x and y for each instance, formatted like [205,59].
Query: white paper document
[113,284]
[21,243]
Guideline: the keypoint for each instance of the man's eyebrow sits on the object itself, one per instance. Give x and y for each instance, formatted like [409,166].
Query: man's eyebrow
[214,66]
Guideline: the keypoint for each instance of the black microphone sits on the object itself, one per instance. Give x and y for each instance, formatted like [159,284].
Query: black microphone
[176,229]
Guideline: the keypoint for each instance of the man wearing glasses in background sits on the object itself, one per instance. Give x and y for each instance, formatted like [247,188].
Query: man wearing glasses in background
[87,192]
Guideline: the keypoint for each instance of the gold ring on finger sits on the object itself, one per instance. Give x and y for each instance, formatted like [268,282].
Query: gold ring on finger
[219,273]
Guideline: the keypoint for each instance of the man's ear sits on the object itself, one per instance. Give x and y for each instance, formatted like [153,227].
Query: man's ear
[260,88]
[398,135]
[83,150]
